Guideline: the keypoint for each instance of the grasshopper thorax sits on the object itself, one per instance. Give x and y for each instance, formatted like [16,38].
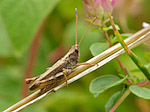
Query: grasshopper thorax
[73,55]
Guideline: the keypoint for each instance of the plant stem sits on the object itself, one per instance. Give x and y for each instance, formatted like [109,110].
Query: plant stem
[128,51]
[124,70]
[142,82]
[118,59]
[123,97]
[140,66]
[117,34]
[83,70]
[107,37]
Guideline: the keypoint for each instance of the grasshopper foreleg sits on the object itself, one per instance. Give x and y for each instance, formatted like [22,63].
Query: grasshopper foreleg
[90,64]
[65,72]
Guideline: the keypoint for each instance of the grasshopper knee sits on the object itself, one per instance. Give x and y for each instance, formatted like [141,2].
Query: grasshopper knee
[33,87]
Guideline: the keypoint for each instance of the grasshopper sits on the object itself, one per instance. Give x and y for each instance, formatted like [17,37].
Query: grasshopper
[60,69]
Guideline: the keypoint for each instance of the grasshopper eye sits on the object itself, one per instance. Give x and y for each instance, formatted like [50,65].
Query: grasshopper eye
[76,51]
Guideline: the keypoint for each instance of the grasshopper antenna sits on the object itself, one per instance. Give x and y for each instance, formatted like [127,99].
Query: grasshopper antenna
[87,30]
[76,12]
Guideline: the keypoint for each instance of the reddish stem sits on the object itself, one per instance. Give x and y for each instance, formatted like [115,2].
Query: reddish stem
[124,70]
[31,59]
[118,59]
[107,37]
[123,97]
[142,82]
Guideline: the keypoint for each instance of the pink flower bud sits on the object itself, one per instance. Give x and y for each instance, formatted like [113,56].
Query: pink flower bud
[98,8]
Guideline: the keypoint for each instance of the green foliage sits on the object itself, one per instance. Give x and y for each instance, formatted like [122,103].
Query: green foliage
[98,47]
[10,85]
[140,66]
[5,43]
[140,91]
[112,101]
[115,40]
[131,54]
[20,21]
[126,35]
[147,66]
[102,83]
[111,28]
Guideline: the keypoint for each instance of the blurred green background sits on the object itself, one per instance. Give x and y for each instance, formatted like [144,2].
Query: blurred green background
[50,25]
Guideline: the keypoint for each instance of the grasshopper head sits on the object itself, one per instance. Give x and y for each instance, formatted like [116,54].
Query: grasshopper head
[74,54]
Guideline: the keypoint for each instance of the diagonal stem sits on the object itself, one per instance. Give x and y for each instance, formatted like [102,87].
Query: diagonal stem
[118,59]
[128,51]
[123,97]
[82,70]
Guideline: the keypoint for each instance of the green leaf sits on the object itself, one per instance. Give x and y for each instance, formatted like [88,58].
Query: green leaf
[97,48]
[121,75]
[124,36]
[147,66]
[141,92]
[20,21]
[118,28]
[112,101]
[138,70]
[111,28]
[106,29]
[96,95]
[103,83]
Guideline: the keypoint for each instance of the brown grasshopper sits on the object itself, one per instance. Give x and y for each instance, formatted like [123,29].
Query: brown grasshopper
[60,69]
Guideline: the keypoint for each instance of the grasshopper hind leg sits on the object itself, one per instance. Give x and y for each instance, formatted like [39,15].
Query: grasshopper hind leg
[52,81]
[30,80]
[47,88]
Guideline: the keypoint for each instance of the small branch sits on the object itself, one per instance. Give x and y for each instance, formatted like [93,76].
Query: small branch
[31,60]
[123,97]
[124,70]
[140,66]
[83,70]
[118,59]
[128,51]
[107,37]
[117,34]
[143,84]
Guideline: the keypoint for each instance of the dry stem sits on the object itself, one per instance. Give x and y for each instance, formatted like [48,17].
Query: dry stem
[99,60]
